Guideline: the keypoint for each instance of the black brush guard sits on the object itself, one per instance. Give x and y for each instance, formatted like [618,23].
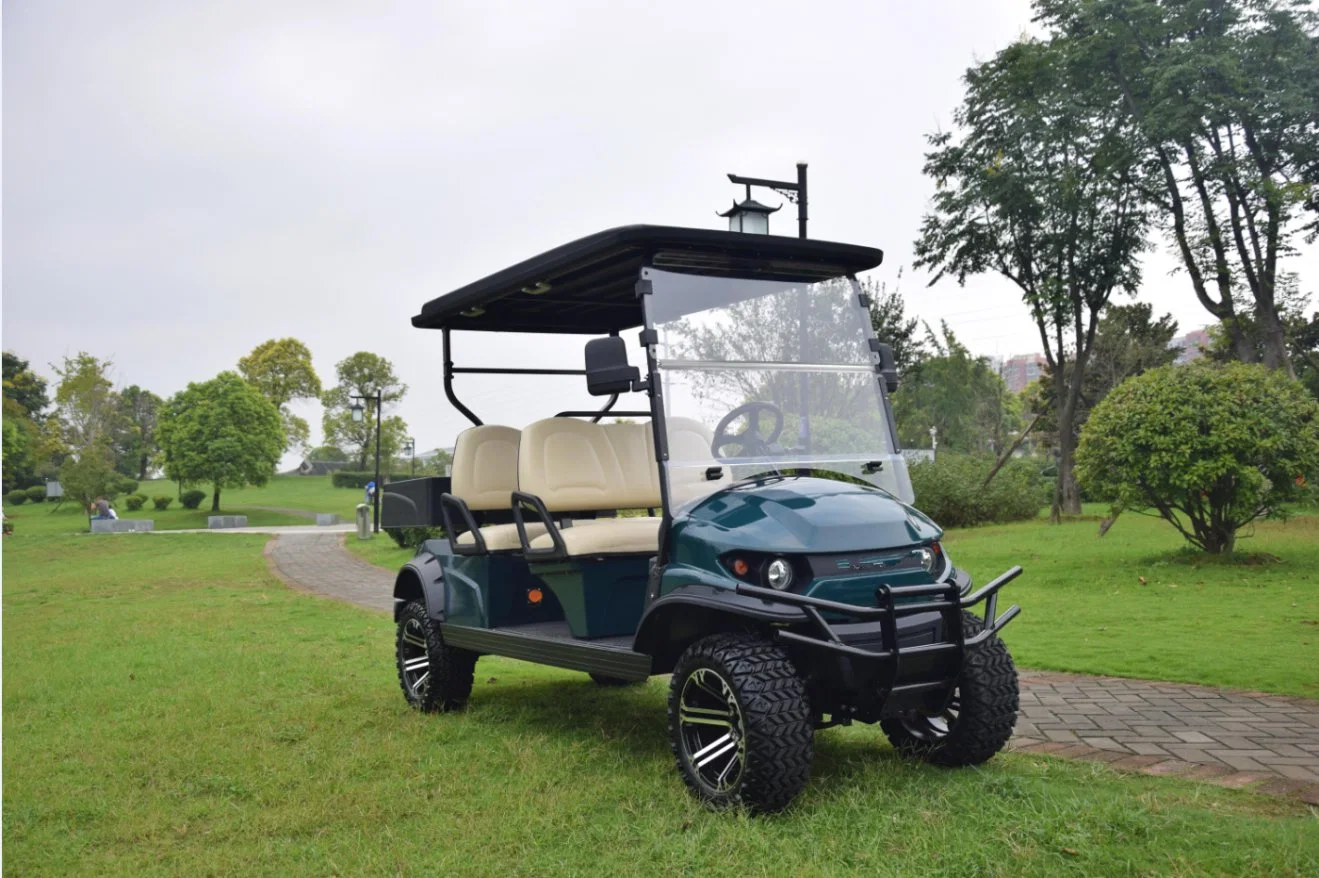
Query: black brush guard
[884,666]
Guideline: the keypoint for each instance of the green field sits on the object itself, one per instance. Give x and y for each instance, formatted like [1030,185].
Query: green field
[170,708]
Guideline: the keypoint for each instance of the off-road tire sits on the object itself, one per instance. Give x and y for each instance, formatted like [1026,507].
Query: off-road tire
[604,680]
[775,715]
[988,702]
[450,670]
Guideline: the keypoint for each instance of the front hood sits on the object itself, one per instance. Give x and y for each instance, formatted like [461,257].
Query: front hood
[799,514]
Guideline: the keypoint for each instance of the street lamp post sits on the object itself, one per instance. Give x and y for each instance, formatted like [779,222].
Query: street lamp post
[411,449]
[358,417]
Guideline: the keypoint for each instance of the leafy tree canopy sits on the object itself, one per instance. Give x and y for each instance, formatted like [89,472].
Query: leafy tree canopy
[1207,447]
[221,432]
[134,440]
[24,387]
[282,371]
[362,375]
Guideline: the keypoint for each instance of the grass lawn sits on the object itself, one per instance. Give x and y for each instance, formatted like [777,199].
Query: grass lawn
[1086,609]
[169,708]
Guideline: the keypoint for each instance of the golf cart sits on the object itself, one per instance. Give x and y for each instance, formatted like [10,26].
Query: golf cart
[745,526]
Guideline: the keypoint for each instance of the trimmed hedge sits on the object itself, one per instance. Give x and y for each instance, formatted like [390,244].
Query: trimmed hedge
[134,502]
[351,479]
[162,503]
[16,497]
[37,494]
[948,490]
[192,499]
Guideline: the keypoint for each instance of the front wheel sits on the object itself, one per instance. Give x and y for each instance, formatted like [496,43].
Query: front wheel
[740,723]
[434,675]
[978,718]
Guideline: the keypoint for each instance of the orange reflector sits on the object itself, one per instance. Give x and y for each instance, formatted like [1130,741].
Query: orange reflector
[535,596]
[740,567]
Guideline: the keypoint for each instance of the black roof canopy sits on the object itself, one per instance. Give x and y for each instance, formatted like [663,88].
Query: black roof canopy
[588,286]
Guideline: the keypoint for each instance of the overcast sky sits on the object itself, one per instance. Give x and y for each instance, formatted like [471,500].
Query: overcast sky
[183,180]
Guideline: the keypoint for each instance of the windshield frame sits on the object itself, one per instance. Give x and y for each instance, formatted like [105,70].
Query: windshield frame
[659,362]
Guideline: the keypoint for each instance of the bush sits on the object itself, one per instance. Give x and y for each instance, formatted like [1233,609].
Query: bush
[948,489]
[412,537]
[16,497]
[120,485]
[192,499]
[37,493]
[351,479]
[1208,447]
[134,502]
[162,503]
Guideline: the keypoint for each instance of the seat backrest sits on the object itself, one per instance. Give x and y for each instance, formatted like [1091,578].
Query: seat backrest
[485,467]
[689,458]
[577,466]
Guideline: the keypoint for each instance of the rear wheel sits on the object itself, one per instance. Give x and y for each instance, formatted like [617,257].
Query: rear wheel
[978,718]
[434,675]
[740,723]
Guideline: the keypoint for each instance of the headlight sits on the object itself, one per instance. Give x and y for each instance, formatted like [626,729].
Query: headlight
[931,557]
[778,574]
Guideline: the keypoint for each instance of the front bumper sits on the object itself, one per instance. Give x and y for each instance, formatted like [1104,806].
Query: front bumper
[899,653]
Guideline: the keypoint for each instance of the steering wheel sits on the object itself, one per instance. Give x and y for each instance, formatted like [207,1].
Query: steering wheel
[751,442]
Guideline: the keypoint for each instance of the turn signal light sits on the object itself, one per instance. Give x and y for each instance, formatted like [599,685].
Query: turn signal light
[740,567]
[535,596]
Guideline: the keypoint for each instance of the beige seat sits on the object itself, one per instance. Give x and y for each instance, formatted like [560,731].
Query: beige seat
[689,458]
[576,466]
[485,475]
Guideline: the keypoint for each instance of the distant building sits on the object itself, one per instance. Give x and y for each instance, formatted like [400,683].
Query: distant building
[1191,346]
[1021,371]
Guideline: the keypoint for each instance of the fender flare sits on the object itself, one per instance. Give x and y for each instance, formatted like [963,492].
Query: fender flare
[421,578]
[690,612]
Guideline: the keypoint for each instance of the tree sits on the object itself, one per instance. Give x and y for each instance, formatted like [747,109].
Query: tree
[1301,331]
[134,440]
[1208,447]
[1223,96]
[1042,188]
[959,395]
[24,387]
[90,474]
[221,432]
[892,326]
[18,442]
[327,452]
[362,375]
[86,404]
[281,370]
[1129,342]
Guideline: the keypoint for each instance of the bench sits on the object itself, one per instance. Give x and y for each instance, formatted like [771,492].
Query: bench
[122,525]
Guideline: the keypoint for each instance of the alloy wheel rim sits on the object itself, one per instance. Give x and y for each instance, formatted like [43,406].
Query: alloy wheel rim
[711,730]
[935,727]
[414,658]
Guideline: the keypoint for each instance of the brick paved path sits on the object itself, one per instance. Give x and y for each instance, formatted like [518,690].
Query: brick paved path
[1234,739]
[319,563]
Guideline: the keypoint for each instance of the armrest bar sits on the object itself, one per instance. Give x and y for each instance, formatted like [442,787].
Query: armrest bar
[449,501]
[522,502]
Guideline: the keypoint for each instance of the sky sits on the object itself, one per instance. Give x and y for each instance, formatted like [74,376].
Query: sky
[182,181]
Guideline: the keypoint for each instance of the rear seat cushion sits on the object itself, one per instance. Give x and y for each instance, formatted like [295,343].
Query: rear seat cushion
[502,537]
[485,467]
[607,537]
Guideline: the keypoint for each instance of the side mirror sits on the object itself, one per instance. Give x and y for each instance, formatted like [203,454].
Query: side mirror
[888,369]
[607,371]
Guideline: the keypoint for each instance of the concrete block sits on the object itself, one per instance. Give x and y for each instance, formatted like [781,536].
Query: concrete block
[216,522]
[324,519]
[122,525]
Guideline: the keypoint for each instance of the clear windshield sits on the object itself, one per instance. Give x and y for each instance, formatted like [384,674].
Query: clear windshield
[763,376]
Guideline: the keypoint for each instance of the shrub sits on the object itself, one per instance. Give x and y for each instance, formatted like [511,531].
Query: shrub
[352,479]
[37,493]
[1207,447]
[162,503]
[134,502]
[16,497]
[120,485]
[412,537]
[192,499]
[948,489]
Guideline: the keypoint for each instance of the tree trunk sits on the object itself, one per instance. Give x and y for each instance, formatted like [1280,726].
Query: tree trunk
[1220,541]
[998,465]
[215,499]
[142,468]
[1276,355]
[1239,340]
[1068,492]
